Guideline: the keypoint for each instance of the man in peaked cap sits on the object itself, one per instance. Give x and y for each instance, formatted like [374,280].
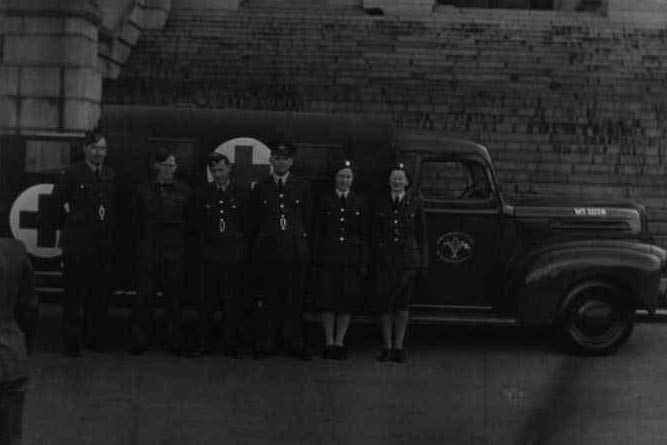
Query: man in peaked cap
[280,210]
[83,200]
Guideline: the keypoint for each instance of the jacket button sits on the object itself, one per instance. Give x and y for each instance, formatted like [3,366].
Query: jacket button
[395,240]
[342,219]
[281,196]
[342,238]
[282,206]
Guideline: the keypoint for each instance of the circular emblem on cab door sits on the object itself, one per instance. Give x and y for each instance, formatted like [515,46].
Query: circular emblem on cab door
[455,247]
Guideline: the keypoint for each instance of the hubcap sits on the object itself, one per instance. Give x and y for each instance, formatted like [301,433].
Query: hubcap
[595,322]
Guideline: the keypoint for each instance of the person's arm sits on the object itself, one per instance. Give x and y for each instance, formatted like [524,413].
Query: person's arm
[420,234]
[26,305]
[59,199]
[364,234]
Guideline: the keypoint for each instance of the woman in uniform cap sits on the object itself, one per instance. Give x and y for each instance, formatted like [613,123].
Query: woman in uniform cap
[341,254]
[398,251]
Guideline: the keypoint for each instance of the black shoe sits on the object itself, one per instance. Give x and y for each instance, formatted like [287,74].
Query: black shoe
[72,351]
[261,355]
[399,356]
[385,355]
[98,347]
[232,352]
[329,352]
[199,351]
[137,349]
[340,353]
[300,354]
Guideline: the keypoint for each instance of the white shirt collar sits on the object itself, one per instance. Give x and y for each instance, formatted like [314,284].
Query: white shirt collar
[283,177]
[400,196]
[345,193]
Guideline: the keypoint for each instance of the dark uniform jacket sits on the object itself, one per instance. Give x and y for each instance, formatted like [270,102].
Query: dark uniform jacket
[280,222]
[17,297]
[222,223]
[89,222]
[341,233]
[399,234]
[163,213]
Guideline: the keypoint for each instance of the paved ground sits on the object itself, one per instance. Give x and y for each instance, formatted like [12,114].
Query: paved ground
[461,386]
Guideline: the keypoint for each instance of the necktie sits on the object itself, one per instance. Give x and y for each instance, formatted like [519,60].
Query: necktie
[280,185]
[396,202]
[342,200]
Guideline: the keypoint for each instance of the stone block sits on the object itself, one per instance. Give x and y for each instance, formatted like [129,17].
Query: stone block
[83,83]
[80,51]
[120,51]
[155,19]
[40,81]
[206,4]
[79,26]
[10,80]
[43,25]
[32,49]
[81,115]
[39,114]
[130,33]
[12,25]
[8,112]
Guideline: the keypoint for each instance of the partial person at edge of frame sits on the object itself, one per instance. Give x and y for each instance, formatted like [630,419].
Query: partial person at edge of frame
[18,322]
[341,257]
[399,251]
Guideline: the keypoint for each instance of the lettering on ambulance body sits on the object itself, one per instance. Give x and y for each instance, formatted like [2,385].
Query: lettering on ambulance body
[590,211]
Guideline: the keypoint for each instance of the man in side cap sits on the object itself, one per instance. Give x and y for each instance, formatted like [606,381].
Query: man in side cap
[281,210]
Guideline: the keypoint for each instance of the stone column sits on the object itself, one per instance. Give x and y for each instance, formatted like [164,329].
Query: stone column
[50,82]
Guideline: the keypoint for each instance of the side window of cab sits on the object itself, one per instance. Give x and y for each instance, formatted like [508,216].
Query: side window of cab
[454,180]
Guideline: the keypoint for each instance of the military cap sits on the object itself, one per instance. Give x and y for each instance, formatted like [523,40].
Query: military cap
[344,163]
[215,157]
[283,149]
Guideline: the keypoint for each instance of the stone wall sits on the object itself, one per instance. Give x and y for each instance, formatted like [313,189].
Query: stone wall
[50,81]
[568,104]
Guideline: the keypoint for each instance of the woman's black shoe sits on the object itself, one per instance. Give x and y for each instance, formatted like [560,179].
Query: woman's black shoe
[329,352]
[385,355]
[399,356]
[340,353]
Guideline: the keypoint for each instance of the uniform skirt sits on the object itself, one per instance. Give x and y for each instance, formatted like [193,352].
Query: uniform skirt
[339,288]
[394,287]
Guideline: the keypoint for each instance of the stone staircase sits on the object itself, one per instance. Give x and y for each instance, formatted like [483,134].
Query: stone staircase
[568,103]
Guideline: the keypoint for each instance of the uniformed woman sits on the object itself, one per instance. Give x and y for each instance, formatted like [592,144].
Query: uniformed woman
[223,249]
[398,252]
[341,251]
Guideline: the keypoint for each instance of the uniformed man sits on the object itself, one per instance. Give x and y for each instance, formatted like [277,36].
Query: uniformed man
[280,214]
[224,252]
[163,207]
[82,203]
[18,316]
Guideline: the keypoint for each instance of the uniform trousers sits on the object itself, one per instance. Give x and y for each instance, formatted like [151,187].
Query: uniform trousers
[280,307]
[221,287]
[12,399]
[86,299]
[165,272]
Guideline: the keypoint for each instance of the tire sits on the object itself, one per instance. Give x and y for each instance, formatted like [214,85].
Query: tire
[595,319]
